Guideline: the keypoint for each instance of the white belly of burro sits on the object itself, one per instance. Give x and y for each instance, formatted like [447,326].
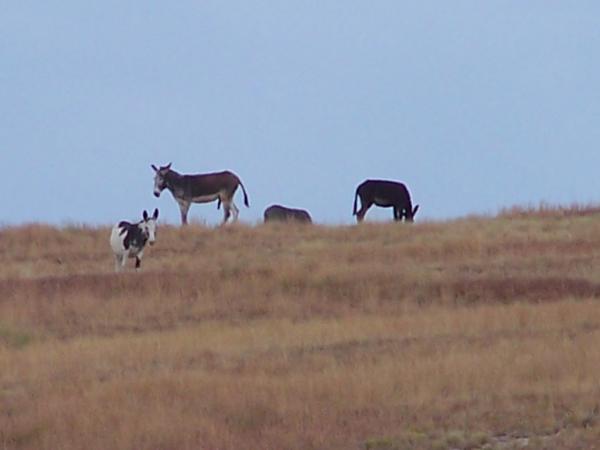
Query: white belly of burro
[205,198]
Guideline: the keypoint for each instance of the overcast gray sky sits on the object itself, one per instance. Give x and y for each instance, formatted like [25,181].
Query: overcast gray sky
[474,105]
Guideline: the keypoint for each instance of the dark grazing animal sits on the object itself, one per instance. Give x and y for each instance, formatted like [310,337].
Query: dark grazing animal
[278,213]
[129,239]
[386,194]
[200,188]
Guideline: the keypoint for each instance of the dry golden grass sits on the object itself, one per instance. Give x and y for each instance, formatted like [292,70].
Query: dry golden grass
[474,333]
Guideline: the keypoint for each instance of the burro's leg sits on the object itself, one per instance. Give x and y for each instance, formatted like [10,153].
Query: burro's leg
[226,213]
[228,206]
[235,210]
[183,209]
[119,262]
[138,261]
[360,215]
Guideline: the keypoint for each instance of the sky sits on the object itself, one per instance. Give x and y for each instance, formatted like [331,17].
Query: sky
[475,106]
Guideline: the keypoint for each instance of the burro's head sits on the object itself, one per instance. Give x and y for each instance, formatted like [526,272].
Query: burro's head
[148,226]
[410,215]
[160,182]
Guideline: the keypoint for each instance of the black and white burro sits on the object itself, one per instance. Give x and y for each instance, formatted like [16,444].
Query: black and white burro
[129,239]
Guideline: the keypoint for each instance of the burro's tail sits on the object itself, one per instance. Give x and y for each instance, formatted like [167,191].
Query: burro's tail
[245,194]
[355,202]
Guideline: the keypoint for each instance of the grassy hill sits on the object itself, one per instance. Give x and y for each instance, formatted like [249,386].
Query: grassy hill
[473,333]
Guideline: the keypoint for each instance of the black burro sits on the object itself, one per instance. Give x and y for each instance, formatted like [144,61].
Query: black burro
[387,194]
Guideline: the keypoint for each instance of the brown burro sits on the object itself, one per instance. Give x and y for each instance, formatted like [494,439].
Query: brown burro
[199,188]
[387,194]
[278,213]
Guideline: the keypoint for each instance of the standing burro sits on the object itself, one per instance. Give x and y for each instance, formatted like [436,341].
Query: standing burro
[387,194]
[128,240]
[200,188]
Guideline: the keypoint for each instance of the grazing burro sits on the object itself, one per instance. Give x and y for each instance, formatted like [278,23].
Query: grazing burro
[200,188]
[128,240]
[279,213]
[387,194]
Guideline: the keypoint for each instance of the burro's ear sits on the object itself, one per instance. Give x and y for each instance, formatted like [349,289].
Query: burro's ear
[414,211]
[154,167]
[155,215]
[145,215]
[168,166]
